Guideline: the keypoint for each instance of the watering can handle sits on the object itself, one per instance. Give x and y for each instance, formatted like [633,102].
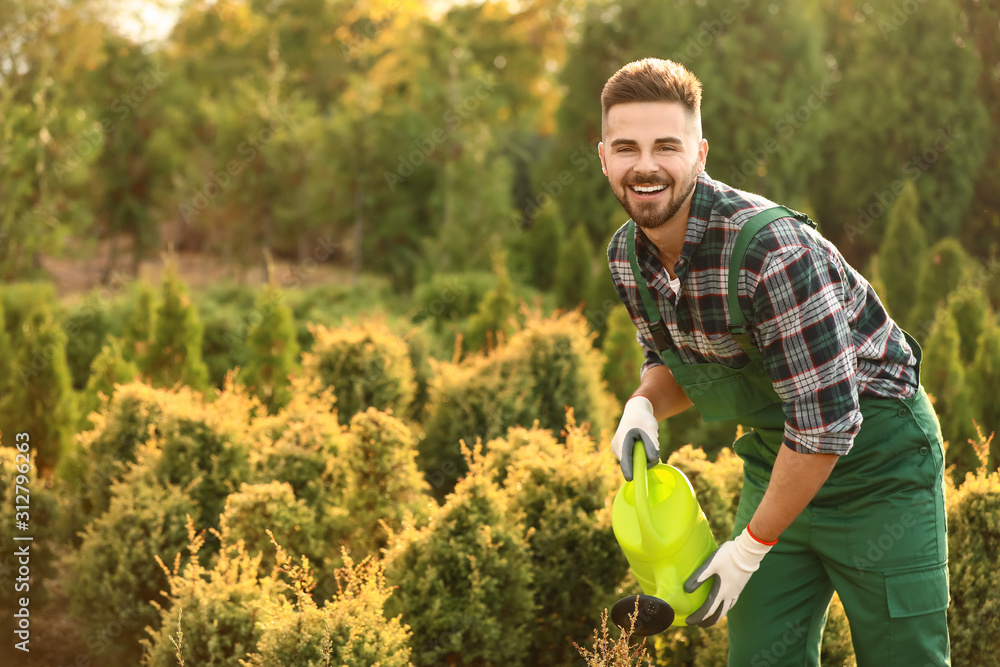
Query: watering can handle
[650,536]
[652,454]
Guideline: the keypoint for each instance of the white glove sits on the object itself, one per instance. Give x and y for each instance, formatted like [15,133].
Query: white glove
[637,421]
[731,565]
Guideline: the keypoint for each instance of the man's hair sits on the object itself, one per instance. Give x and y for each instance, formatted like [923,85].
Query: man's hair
[653,80]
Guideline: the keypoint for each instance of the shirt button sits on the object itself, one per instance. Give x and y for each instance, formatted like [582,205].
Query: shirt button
[903,412]
[925,450]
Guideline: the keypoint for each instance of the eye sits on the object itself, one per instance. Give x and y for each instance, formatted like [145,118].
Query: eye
[668,147]
[625,149]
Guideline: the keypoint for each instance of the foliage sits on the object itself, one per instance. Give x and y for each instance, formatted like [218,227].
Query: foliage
[901,256]
[366,365]
[174,354]
[86,326]
[982,384]
[547,365]
[575,270]
[108,369]
[350,629]
[493,321]
[273,352]
[41,401]
[619,652]
[564,491]
[536,250]
[623,357]
[973,543]
[465,579]
[944,376]
[946,268]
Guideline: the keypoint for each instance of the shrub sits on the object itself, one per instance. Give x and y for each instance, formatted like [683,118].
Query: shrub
[451,297]
[946,266]
[114,575]
[20,299]
[174,353]
[223,347]
[109,368]
[217,610]
[901,255]
[40,400]
[623,357]
[366,365]
[87,326]
[349,630]
[548,365]
[943,374]
[973,545]
[983,383]
[273,351]
[564,491]
[140,319]
[494,320]
[575,272]
[464,581]
[259,509]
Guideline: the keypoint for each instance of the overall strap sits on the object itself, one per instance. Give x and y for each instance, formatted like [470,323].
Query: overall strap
[760,220]
[648,303]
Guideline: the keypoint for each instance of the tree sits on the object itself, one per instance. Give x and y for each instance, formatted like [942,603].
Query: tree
[493,320]
[174,354]
[983,383]
[622,355]
[946,268]
[274,351]
[901,256]
[41,401]
[944,376]
[879,50]
[575,273]
[109,368]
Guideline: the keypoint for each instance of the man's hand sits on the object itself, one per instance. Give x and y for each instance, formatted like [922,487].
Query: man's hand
[731,565]
[638,416]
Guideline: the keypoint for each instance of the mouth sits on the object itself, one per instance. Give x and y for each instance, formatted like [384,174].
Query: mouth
[647,192]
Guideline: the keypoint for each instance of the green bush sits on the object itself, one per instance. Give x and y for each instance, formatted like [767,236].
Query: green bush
[973,545]
[20,299]
[946,266]
[546,366]
[575,271]
[114,574]
[87,327]
[272,348]
[212,617]
[366,365]
[350,630]
[464,581]
[108,369]
[623,357]
[258,508]
[564,491]
[451,297]
[495,318]
[222,346]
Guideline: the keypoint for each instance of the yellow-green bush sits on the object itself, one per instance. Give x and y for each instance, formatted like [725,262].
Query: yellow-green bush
[547,366]
[365,364]
[464,581]
[973,548]
[258,508]
[212,615]
[564,491]
[349,630]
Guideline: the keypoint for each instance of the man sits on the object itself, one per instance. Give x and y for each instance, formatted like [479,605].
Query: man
[843,470]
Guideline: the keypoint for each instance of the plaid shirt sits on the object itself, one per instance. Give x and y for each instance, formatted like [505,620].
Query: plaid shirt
[823,333]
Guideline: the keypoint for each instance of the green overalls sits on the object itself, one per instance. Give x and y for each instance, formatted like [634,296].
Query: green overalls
[875,532]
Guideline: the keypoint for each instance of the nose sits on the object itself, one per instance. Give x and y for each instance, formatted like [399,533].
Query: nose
[646,165]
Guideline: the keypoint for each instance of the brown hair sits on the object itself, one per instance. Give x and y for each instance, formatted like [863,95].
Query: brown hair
[653,80]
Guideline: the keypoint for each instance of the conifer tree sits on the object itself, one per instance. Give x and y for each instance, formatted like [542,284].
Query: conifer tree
[109,367]
[622,355]
[274,351]
[983,385]
[41,400]
[944,376]
[174,354]
[575,270]
[970,308]
[946,266]
[901,256]
[536,248]
[499,306]
[141,320]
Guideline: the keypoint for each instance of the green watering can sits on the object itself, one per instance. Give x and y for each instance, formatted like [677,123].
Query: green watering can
[665,536]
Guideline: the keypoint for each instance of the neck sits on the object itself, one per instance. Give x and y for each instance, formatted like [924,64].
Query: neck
[669,237]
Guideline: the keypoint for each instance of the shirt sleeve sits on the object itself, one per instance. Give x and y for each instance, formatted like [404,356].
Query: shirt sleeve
[805,337]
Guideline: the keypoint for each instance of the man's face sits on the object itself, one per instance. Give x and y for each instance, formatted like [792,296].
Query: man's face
[655,147]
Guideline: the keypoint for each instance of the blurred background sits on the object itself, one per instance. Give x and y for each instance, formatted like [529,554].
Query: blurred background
[247,211]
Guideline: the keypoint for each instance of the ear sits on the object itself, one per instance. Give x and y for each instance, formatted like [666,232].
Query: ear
[702,154]
[600,152]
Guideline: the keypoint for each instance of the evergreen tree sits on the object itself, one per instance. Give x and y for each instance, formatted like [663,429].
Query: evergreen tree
[496,312]
[901,256]
[274,351]
[575,273]
[971,310]
[983,384]
[622,355]
[946,266]
[110,367]
[41,400]
[535,249]
[174,354]
[944,376]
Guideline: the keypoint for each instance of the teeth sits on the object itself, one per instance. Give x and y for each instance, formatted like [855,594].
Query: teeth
[650,188]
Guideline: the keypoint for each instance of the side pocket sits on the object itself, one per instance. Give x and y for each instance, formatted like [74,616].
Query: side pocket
[917,592]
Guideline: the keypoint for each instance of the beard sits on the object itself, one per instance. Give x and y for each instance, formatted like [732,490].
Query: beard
[653,214]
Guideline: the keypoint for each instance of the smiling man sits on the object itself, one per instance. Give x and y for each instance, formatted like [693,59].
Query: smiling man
[747,313]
